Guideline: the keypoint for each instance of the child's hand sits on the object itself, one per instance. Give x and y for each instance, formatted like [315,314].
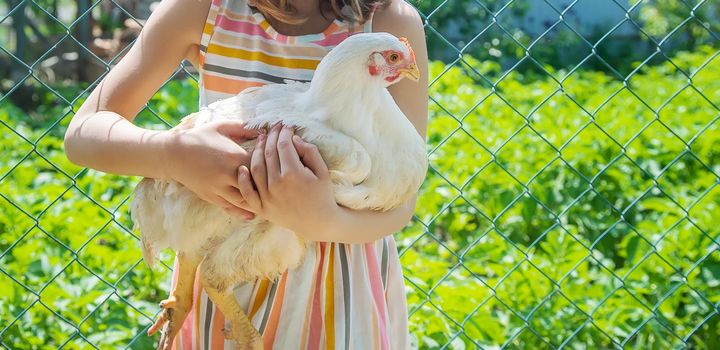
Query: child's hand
[205,159]
[293,183]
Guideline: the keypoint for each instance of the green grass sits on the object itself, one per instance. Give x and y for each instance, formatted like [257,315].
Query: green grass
[582,214]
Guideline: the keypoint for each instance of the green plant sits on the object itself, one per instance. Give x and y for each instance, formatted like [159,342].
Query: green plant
[582,215]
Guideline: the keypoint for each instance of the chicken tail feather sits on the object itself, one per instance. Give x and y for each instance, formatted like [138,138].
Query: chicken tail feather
[147,215]
[148,252]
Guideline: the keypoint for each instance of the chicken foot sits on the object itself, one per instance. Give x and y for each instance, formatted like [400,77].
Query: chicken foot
[238,326]
[177,306]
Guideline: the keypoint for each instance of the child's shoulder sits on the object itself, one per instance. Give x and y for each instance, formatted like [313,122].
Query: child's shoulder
[398,16]
[179,22]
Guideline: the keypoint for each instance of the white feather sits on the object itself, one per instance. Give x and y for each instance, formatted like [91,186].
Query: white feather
[376,158]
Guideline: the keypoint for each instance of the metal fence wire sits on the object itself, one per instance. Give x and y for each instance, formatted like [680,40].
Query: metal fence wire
[565,207]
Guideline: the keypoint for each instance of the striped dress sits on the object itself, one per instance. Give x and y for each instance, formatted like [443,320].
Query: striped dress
[343,296]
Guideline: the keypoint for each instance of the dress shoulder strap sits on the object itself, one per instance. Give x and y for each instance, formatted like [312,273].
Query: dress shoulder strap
[367,26]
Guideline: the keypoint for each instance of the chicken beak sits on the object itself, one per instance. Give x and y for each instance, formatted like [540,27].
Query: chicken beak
[411,72]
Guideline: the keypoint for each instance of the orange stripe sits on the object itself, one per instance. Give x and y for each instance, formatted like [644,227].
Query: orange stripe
[230,40]
[196,296]
[264,25]
[330,301]
[259,297]
[208,28]
[225,85]
[210,20]
[308,303]
[283,62]
[217,339]
[330,29]
[175,274]
[272,323]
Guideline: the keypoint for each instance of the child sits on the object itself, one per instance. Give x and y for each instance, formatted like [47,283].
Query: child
[349,291]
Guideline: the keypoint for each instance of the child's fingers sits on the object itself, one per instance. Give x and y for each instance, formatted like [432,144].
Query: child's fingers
[233,210]
[245,186]
[311,157]
[235,129]
[257,167]
[272,161]
[233,196]
[289,159]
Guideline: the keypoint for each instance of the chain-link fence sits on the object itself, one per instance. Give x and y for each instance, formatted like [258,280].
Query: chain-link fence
[572,198]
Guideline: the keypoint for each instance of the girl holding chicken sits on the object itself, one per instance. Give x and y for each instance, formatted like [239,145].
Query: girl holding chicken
[349,291]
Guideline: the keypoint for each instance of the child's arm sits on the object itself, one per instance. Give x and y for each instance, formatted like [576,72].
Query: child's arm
[102,136]
[360,226]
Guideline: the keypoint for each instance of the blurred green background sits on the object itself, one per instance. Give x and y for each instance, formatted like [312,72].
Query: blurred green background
[572,199]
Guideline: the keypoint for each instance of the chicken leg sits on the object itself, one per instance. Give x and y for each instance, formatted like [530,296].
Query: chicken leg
[238,326]
[177,306]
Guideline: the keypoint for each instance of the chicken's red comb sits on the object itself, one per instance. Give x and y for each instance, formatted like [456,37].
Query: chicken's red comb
[404,40]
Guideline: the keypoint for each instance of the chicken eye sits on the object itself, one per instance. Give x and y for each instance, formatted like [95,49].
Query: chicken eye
[393,57]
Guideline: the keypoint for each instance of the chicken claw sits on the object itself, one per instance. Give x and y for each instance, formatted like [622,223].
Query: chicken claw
[238,327]
[242,341]
[177,306]
[172,318]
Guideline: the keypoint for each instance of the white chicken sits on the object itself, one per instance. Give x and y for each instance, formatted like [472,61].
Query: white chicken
[376,158]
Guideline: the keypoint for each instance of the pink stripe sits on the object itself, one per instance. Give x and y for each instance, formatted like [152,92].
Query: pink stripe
[184,339]
[176,271]
[316,317]
[240,26]
[377,290]
[189,334]
[332,40]
[282,38]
